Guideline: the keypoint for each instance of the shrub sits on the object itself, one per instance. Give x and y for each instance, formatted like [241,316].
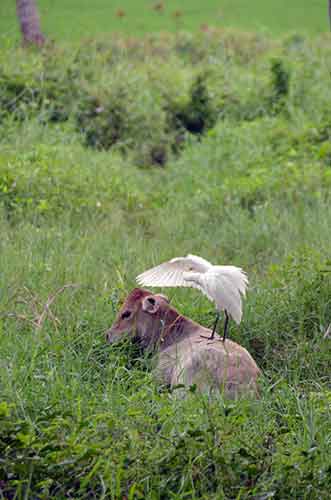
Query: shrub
[126,114]
[280,83]
[198,114]
[49,96]
[18,97]
[103,123]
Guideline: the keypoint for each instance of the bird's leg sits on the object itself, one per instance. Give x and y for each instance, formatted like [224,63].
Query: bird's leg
[225,325]
[214,328]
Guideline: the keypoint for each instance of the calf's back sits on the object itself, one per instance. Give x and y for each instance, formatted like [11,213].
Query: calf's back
[209,365]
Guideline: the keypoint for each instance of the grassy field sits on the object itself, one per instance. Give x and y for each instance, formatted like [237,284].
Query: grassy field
[72,20]
[114,156]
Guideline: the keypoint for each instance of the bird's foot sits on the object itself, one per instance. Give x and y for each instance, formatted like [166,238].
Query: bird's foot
[212,341]
[211,337]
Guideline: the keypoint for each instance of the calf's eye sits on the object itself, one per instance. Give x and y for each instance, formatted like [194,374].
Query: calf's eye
[126,315]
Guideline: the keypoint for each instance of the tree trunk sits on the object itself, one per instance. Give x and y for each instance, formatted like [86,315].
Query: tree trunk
[27,14]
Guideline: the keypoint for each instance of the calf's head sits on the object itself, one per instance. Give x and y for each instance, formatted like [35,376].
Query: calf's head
[141,317]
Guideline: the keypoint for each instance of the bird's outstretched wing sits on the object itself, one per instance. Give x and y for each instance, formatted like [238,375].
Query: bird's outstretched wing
[171,273]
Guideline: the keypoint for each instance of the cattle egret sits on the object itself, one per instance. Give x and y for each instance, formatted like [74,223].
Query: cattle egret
[223,285]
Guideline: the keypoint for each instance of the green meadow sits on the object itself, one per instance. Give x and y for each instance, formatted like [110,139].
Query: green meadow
[73,20]
[119,153]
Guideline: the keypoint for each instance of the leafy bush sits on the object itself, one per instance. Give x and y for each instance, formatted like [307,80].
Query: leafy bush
[280,82]
[114,116]
[17,97]
[103,127]
[198,114]
[150,125]
[49,97]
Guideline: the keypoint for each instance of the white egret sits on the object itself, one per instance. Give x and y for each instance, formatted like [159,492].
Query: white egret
[223,285]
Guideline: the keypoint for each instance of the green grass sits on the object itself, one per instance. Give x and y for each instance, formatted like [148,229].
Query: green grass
[82,419]
[72,20]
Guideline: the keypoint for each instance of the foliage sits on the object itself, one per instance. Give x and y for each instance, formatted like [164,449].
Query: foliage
[197,115]
[128,101]
[115,117]
[83,419]
[280,84]
[47,95]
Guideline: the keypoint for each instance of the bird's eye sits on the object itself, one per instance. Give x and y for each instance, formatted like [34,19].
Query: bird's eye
[126,315]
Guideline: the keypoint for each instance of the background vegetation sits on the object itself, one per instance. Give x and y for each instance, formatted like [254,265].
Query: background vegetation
[115,155]
[72,20]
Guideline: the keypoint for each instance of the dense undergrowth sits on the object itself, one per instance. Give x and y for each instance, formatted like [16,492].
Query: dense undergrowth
[241,127]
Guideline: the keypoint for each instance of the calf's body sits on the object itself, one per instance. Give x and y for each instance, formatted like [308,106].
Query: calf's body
[182,355]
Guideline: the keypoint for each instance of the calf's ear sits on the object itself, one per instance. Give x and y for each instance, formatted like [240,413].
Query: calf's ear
[150,304]
[164,297]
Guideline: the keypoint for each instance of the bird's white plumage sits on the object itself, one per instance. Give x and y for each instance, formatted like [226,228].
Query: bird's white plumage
[224,285]
[171,273]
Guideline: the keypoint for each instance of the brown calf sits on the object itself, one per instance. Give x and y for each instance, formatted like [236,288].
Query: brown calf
[183,357]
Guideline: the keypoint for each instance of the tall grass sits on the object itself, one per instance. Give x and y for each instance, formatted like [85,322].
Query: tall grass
[81,419]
